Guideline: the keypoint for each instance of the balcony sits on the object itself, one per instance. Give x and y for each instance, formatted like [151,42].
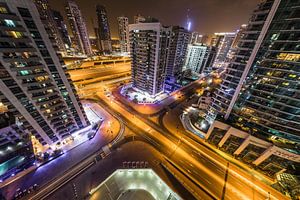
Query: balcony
[36,89]
[9,49]
[34,82]
[5,38]
[52,99]
[29,76]
[12,28]
[16,69]
[53,117]
[11,16]
[20,59]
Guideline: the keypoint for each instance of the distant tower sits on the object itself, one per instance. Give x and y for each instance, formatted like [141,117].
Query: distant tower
[104,30]
[96,31]
[138,19]
[78,28]
[196,38]
[49,21]
[199,57]
[62,28]
[177,51]
[223,42]
[188,21]
[123,34]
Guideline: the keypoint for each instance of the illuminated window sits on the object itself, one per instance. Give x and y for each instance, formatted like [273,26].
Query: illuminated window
[41,78]
[37,70]
[274,36]
[3,108]
[9,23]
[15,34]
[245,128]
[24,72]
[254,119]
[247,111]
[25,54]
[292,75]
[19,64]
[289,56]
[3,10]
[285,83]
[48,111]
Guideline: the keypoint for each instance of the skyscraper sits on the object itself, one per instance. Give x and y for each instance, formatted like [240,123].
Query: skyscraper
[123,34]
[223,42]
[199,58]
[51,25]
[34,85]
[234,78]
[148,46]
[104,30]
[81,40]
[196,38]
[177,51]
[62,29]
[138,19]
[258,102]
[268,102]
[234,46]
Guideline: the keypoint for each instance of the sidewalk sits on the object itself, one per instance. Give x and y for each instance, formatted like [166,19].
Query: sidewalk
[109,128]
[80,138]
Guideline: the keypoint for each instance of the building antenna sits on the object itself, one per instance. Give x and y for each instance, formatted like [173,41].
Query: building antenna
[188,21]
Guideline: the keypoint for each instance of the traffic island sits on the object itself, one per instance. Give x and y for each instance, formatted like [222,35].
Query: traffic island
[139,97]
[148,107]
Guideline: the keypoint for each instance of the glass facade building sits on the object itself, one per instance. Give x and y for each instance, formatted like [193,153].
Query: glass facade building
[104,30]
[78,28]
[269,104]
[258,102]
[240,62]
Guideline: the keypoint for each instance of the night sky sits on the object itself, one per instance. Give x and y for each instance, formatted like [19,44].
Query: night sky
[207,16]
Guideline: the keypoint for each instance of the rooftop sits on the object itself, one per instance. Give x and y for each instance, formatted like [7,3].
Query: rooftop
[133,184]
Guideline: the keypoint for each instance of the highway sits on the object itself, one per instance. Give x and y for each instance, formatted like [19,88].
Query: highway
[84,74]
[210,172]
[208,169]
[218,178]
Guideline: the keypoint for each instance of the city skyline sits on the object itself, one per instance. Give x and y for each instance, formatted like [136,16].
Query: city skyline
[207,16]
[164,112]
